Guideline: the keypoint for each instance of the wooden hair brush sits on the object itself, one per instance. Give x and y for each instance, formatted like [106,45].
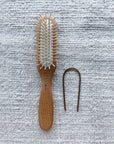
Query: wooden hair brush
[46,64]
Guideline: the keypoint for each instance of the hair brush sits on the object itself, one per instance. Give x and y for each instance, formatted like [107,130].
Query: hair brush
[46,39]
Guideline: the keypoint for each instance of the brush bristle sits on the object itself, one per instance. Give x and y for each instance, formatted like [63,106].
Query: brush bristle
[46,41]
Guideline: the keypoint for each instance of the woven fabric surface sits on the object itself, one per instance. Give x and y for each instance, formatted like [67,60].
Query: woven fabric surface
[86,42]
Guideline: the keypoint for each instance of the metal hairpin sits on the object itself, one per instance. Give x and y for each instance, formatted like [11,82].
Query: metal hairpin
[74,69]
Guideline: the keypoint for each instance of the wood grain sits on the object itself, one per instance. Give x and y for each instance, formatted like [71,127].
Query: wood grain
[46,102]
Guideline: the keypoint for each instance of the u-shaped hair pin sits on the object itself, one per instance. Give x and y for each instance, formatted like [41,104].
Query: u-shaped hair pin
[74,69]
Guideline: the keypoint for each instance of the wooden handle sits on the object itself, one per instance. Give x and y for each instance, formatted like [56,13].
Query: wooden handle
[46,104]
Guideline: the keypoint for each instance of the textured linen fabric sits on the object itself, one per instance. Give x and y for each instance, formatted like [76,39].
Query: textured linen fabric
[86,42]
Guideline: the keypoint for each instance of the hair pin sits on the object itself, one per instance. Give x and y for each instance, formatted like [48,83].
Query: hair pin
[70,69]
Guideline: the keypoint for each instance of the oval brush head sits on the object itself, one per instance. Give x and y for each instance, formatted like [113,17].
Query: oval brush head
[46,42]
[46,65]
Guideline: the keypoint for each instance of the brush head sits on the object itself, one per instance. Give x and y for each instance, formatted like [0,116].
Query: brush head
[46,42]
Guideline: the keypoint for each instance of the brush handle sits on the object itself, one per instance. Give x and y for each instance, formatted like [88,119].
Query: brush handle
[46,104]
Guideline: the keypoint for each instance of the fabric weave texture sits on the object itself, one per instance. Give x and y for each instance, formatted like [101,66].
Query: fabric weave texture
[85,41]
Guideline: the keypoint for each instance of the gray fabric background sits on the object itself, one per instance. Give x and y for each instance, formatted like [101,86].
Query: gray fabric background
[85,41]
